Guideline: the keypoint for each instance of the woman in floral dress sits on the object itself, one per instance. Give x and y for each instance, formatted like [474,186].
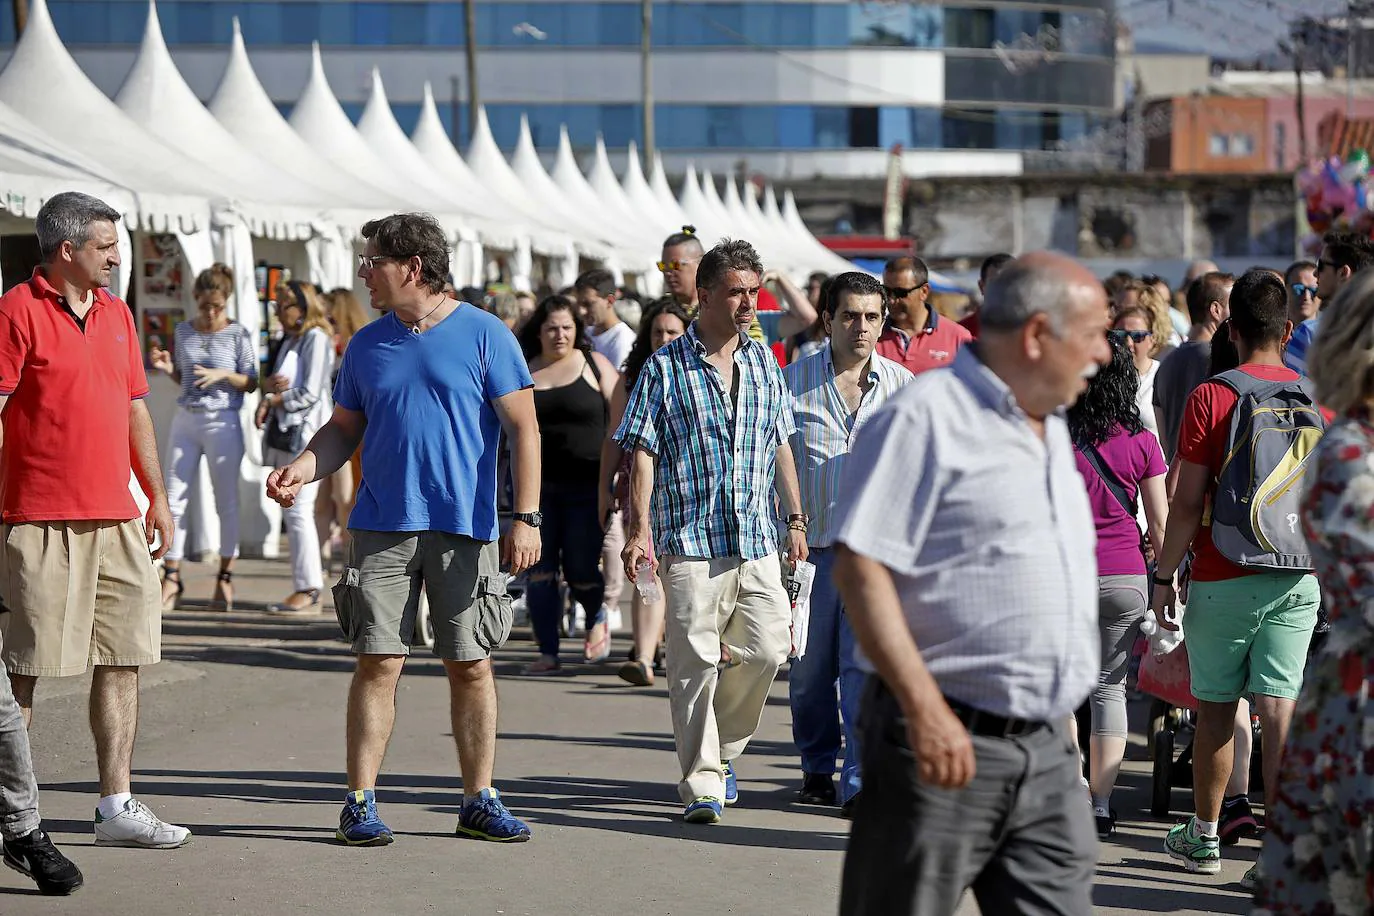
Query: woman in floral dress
[1318,850]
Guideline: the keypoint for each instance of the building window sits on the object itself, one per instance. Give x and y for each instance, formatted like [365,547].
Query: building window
[1218,145]
[1242,145]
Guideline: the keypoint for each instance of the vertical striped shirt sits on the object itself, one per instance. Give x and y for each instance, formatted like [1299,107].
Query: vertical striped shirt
[230,348]
[716,449]
[826,429]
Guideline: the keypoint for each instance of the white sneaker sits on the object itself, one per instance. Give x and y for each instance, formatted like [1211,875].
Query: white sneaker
[137,826]
[614,620]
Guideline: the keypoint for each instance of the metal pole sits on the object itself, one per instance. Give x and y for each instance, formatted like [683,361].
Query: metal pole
[453,110]
[470,28]
[21,16]
[1350,59]
[646,74]
[1298,101]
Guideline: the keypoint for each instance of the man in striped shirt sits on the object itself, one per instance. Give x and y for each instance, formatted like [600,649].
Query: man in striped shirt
[835,389]
[708,424]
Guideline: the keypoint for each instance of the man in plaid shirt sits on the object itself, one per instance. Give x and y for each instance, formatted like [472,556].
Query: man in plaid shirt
[708,424]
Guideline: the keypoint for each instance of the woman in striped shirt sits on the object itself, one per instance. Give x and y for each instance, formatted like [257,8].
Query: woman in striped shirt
[214,361]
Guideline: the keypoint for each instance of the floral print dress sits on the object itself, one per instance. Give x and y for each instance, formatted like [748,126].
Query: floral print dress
[1318,849]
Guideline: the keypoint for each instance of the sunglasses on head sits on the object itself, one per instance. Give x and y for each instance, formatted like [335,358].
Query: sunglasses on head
[901,292]
[1301,289]
[1121,336]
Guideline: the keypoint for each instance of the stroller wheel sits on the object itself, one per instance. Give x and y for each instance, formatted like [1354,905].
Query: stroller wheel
[1161,784]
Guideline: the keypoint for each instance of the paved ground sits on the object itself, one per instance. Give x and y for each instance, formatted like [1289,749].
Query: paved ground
[242,740]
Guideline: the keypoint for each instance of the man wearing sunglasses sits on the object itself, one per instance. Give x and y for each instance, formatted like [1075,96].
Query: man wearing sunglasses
[1303,301]
[1343,255]
[682,251]
[916,336]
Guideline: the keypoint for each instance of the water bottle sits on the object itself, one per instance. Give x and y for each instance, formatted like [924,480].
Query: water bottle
[645,582]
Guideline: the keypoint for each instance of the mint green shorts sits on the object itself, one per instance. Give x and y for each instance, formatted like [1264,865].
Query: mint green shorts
[1250,635]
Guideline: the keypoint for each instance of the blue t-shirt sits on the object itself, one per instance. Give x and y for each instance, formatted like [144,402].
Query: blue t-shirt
[430,447]
[1295,356]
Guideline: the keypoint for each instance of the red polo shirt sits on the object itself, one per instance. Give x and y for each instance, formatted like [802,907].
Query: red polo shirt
[930,348]
[65,455]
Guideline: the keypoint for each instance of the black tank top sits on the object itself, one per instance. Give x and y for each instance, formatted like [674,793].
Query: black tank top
[572,426]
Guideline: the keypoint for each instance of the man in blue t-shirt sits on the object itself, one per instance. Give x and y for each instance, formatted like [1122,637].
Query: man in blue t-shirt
[426,389]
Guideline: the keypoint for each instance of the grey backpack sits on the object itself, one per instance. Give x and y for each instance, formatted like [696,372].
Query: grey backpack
[1255,514]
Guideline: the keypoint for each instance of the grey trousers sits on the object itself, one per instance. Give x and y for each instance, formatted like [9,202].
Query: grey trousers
[18,788]
[1120,608]
[1020,835]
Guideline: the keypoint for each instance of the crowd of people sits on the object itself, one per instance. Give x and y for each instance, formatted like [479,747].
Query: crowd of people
[992,505]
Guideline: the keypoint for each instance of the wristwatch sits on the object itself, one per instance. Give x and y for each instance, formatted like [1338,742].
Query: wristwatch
[533,519]
[1167,581]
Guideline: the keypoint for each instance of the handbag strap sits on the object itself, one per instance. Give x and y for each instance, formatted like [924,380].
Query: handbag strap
[1114,484]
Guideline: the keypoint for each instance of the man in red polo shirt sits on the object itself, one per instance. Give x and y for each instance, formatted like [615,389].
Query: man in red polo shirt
[75,566]
[916,336]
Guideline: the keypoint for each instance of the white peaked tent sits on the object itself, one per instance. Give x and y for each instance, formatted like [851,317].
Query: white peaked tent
[242,105]
[658,183]
[569,179]
[379,129]
[155,95]
[774,253]
[641,197]
[34,167]
[776,231]
[711,194]
[434,144]
[698,213]
[825,259]
[320,120]
[171,192]
[526,169]
[604,185]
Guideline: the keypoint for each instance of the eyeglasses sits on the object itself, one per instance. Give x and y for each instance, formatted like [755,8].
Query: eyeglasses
[1302,290]
[901,292]
[1137,336]
[370,261]
[1322,264]
[666,266]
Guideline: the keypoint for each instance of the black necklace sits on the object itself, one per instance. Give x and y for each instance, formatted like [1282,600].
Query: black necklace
[415,325]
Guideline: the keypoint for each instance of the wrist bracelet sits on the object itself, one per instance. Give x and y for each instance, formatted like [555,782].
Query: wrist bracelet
[1161,580]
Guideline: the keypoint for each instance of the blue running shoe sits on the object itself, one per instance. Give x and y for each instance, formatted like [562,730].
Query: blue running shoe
[359,824]
[731,784]
[704,810]
[486,818]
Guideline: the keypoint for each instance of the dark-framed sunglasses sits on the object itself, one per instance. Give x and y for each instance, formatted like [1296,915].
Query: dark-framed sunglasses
[1323,263]
[901,292]
[1137,336]
[1301,289]
[370,261]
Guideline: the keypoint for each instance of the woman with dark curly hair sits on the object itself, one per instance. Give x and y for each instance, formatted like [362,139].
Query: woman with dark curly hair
[1121,462]
[663,321]
[572,391]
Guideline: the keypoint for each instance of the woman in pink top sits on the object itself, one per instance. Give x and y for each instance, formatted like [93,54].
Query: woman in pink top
[1121,463]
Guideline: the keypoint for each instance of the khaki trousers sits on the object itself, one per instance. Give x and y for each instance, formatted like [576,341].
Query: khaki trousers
[743,604]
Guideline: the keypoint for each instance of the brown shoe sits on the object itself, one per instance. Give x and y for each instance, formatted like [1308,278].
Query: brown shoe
[637,673]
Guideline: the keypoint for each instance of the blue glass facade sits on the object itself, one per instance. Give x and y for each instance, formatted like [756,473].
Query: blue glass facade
[439,23]
[766,127]
[991,101]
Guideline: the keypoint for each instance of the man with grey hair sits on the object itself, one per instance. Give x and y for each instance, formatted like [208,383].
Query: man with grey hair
[75,566]
[708,425]
[968,573]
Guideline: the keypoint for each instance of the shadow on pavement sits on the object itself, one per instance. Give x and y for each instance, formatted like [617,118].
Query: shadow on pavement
[640,808]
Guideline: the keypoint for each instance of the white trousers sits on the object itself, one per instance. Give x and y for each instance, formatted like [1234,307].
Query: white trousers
[743,604]
[307,570]
[217,436]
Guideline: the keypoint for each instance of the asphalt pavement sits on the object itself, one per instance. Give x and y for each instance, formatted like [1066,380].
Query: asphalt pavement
[241,739]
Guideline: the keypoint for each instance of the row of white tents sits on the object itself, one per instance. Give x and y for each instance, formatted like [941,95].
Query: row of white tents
[237,182]
[233,176]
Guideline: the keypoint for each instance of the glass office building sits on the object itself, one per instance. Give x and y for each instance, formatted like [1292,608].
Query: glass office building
[730,77]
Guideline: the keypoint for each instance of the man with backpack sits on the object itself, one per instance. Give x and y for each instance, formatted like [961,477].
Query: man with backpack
[1243,448]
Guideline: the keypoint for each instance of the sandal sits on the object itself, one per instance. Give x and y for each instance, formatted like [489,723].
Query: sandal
[596,651]
[637,673]
[546,665]
[224,592]
[172,575]
[288,609]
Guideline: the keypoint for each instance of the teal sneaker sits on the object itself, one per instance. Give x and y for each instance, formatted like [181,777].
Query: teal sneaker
[703,810]
[731,783]
[487,818]
[1201,854]
[359,824]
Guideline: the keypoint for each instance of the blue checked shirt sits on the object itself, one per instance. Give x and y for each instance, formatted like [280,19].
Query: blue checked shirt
[825,430]
[713,486]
